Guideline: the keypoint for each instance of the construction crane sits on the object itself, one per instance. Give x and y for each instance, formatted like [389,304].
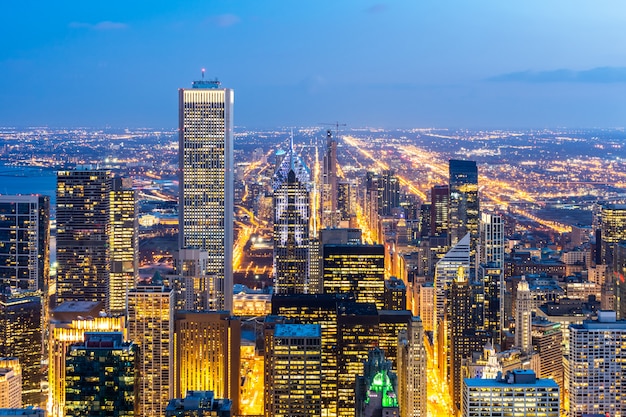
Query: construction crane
[336,124]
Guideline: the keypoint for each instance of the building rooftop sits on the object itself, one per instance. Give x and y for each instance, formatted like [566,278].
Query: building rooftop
[298,330]
[521,378]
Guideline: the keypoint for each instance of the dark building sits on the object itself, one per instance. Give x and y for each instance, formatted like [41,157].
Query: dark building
[395,294]
[490,275]
[439,210]
[464,204]
[198,404]
[376,390]
[101,377]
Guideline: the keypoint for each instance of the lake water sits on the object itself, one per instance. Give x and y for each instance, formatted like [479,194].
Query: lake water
[28,180]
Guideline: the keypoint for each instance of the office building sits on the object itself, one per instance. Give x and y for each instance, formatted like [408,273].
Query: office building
[439,210]
[411,367]
[293,371]
[25,241]
[10,383]
[330,214]
[377,387]
[523,317]
[395,294]
[101,377]
[613,230]
[68,324]
[207,354]
[356,269]
[83,201]
[597,365]
[464,205]
[388,192]
[390,324]
[151,327]
[199,404]
[344,200]
[547,342]
[21,337]
[292,212]
[123,244]
[206,179]
[518,393]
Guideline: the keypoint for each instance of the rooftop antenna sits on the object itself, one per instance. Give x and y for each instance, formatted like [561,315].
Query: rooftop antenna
[336,124]
[291,149]
[203,73]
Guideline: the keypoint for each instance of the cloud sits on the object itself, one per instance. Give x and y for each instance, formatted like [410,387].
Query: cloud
[224,20]
[377,8]
[599,75]
[104,25]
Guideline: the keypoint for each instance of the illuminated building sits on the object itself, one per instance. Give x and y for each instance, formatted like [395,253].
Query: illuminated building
[464,205]
[491,272]
[151,327]
[318,309]
[123,244]
[376,389]
[341,236]
[439,210]
[344,199]
[252,304]
[330,216]
[395,294]
[388,192]
[620,282]
[412,371]
[456,261]
[547,340]
[518,393]
[68,325]
[292,211]
[10,383]
[390,324]
[25,241]
[83,235]
[356,269]
[293,371]
[101,377]
[315,267]
[207,178]
[357,332]
[427,303]
[207,346]
[199,404]
[195,289]
[597,365]
[613,230]
[21,337]
[523,317]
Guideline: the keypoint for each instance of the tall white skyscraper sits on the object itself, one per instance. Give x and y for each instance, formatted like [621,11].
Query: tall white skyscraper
[412,370]
[206,180]
[523,317]
[597,365]
[491,272]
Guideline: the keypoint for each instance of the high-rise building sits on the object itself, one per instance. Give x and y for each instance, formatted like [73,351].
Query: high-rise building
[613,230]
[101,377]
[356,269]
[10,383]
[25,241]
[388,192]
[198,404]
[83,200]
[412,371]
[597,365]
[491,272]
[68,324]
[151,327]
[518,393]
[123,244]
[21,337]
[206,179]
[395,294]
[292,212]
[330,216]
[523,317]
[464,205]
[207,354]
[376,389]
[439,210]
[344,199]
[547,342]
[293,371]
[456,261]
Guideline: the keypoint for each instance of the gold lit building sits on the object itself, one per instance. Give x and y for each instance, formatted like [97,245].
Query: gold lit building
[207,358]
[206,178]
[151,327]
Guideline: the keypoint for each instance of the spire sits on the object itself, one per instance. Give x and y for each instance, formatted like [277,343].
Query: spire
[291,152]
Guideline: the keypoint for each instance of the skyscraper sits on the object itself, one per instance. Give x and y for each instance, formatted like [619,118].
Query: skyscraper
[464,205]
[292,211]
[412,371]
[597,365]
[376,389]
[523,317]
[102,376]
[293,371]
[123,244]
[151,327]
[330,217]
[439,210]
[25,241]
[206,179]
[10,383]
[613,231]
[491,272]
[83,235]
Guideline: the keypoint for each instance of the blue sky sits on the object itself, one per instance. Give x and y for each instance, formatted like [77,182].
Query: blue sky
[413,63]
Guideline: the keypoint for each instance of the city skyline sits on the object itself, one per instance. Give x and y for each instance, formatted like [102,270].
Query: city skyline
[484,64]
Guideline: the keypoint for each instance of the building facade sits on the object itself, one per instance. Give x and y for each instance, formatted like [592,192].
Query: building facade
[464,205]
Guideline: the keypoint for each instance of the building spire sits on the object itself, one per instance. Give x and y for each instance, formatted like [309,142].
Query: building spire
[291,152]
